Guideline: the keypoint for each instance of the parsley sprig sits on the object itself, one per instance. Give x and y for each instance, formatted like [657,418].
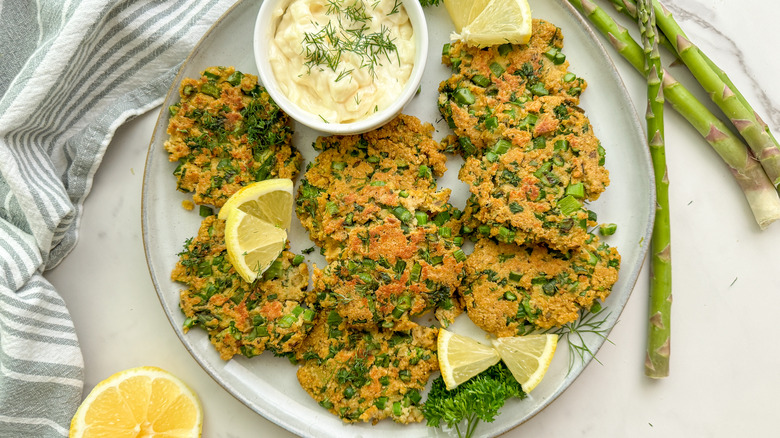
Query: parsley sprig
[477,399]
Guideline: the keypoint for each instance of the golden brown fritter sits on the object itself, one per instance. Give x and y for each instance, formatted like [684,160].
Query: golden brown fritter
[489,86]
[357,173]
[511,290]
[367,375]
[392,245]
[534,188]
[393,273]
[241,318]
[226,132]
[532,158]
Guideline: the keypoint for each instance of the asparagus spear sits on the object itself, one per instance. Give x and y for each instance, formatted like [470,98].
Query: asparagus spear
[725,94]
[722,91]
[759,191]
[658,336]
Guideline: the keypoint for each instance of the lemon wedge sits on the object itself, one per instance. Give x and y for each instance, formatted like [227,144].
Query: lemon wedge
[252,244]
[461,358]
[139,402]
[497,22]
[527,357]
[257,218]
[462,12]
[269,200]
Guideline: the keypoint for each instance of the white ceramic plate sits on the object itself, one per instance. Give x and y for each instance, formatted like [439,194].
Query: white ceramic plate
[267,384]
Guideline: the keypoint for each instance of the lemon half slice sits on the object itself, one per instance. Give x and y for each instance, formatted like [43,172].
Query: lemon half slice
[252,244]
[462,12]
[527,357]
[498,22]
[461,358]
[143,401]
[269,200]
[257,218]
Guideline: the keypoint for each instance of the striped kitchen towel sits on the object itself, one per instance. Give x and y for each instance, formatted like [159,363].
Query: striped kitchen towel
[72,71]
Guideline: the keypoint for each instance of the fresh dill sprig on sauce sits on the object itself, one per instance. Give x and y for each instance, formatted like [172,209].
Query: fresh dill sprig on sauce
[477,399]
[325,47]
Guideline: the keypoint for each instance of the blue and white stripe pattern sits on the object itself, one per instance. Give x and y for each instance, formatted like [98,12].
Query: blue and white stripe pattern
[72,72]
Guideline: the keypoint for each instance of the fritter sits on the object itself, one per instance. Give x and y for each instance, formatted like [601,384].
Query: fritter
[392,245]
[392,273]
[511,290]
[226,132]
[353,172]
[241,318]
[367,375]
[534,187]
[482,101]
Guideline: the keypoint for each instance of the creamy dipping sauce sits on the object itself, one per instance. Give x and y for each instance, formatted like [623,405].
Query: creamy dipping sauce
[342,60]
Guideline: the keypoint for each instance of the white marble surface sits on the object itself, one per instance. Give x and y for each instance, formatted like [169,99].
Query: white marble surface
[724,377]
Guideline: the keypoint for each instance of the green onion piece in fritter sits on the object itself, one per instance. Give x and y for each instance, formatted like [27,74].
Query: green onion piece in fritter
[505,234]
[501,147]
[422,217]
[504,49]
[210,89]
[415,274]
[602,155]
[459,255]
[467,146]
[568,205]
[561,145]
[491,123]
[480,80]
[210,75]
[205,211]
[287,321]
[497,69]
[402,214]
[235,78]
[607,229]
[463,96]
[441,218]
[577,190]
